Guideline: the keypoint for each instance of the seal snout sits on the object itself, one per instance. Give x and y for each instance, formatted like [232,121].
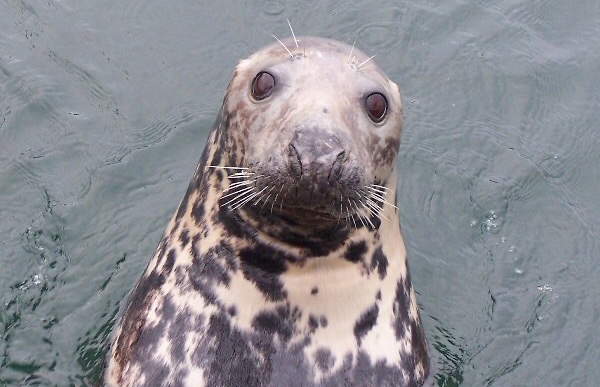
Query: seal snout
[315,155]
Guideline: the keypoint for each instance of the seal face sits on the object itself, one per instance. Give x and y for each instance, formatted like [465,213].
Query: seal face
[284,264]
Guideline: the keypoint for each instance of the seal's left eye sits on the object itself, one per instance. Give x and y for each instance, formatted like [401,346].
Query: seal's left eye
[376,106]
[262,85]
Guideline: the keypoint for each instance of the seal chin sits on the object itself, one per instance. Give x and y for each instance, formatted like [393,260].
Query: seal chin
[311,217]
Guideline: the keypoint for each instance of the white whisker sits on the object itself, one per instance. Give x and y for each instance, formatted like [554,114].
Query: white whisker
[351,51]
[245,200]
[368,59]
[364,214]
[379,186]
[252,196]
[275,200]
[383,201]
[291,29]
[221,167]
[377,208]
[361,216]
[267,198]
[239,184]
[239,192]
[240,176]
[240,197]
[280,42]
[351,215]
[260,197]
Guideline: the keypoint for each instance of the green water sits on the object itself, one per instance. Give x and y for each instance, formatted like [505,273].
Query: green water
[105,107]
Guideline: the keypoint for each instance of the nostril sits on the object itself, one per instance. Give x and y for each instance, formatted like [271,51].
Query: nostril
[337,166]
[295,163]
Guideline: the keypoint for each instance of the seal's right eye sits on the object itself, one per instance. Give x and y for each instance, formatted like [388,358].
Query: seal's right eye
[262,85]
[377,106]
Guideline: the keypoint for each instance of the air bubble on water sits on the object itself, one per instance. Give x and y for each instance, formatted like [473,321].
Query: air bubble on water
[544,288]
[491,221]
[512,249]
[37,279]
[473,223]
[519,271]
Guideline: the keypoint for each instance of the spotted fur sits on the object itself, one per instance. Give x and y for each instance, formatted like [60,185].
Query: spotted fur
[238,297]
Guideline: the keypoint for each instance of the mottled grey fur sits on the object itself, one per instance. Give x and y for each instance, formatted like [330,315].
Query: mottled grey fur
[301,287]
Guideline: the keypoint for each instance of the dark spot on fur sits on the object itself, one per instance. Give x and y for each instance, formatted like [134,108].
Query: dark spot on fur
[314,291]
[178,330]
[325,110]
[228,357]
[169,262]
[280,321]
[323,321]
[324,359]
[356,251]
[198,211]
[184,238]
[226,253]
[313,322]
[365,323]
[380,262]
[232,223]
[184,203]
[262,264]
[378,295]
[232,311]
[401,310]
[419,353]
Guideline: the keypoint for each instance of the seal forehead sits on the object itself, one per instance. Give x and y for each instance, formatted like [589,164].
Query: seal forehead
[339,58]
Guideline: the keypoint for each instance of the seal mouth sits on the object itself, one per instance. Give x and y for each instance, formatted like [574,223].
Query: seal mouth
[319,202]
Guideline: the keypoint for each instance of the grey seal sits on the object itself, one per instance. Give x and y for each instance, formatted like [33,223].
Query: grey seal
[284,264]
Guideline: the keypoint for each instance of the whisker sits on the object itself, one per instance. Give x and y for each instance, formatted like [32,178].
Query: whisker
[379,197]
[383,201]
[281,204]
[245,200]
[280,42]
[352,217]
[377,208]
[275,200]
[351,51]
[267,198]
[347,217]
[357,213]
[291,29]
[222,167]
[252,197]
[241,196]
[366,216]
[260,197]
[242,182]
[239,184]
[379,186]
[238,192]
[368,59]
[240,176]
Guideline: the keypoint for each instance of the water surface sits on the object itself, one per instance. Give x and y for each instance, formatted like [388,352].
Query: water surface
[105,107]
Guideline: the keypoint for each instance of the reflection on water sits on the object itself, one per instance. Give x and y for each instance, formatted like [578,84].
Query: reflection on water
[105,110]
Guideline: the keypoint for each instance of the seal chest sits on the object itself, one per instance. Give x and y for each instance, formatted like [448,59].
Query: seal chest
[284,264]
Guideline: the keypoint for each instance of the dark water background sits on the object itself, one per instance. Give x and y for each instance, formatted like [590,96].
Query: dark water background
[105,107]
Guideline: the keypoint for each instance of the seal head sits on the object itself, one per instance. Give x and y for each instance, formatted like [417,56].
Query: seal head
[284,264]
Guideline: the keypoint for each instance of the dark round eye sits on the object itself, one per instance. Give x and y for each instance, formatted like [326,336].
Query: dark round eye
[376,106]
[262,85]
